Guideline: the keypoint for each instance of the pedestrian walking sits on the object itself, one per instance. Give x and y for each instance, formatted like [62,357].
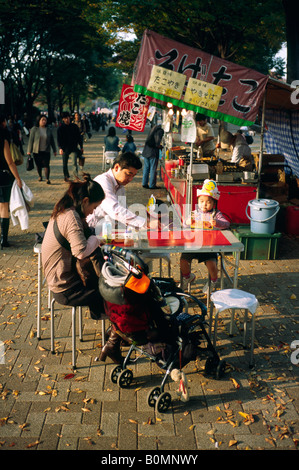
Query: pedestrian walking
[151,157]
[8,173]
[70,144]
[40,142]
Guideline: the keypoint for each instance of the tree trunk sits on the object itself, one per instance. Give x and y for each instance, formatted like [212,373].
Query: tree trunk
[292,34]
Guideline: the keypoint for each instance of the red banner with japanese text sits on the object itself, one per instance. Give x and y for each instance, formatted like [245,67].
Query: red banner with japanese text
[243,88]
[132,109]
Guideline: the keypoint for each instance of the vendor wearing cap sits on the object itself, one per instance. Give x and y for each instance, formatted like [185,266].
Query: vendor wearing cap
[205,136]
[206,216]
[241,152]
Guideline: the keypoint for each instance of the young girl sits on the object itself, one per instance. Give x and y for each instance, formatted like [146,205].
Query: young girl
[206,216]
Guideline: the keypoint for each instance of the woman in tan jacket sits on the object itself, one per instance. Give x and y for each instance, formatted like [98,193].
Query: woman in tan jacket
[58,255]
[40,142]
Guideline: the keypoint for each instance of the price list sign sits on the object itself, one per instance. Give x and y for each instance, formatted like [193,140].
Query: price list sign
[166,82]
[203,94]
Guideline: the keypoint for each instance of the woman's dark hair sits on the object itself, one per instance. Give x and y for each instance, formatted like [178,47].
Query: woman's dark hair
[39,118]
[78,190]
[111,131]
[130,138]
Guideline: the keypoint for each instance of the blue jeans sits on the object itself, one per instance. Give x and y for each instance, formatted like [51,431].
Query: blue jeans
[65,159]
[149,176]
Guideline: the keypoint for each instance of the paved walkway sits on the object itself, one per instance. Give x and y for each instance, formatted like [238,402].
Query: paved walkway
[45,406]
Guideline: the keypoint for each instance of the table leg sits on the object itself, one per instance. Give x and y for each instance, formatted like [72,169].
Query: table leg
[235,285]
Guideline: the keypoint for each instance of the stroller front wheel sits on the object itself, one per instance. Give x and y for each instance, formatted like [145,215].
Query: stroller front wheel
[115,373]
[153,396]
[125,378]
[163,402]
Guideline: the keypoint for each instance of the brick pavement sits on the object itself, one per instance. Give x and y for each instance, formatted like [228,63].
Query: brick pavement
[43,407]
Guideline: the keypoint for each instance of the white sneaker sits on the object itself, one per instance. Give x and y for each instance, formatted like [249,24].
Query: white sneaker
[212,288]
[187,280]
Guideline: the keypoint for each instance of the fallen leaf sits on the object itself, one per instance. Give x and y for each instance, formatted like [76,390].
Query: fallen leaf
[235,383]
[232,443]
[271,441]
[69,376]
[33,444]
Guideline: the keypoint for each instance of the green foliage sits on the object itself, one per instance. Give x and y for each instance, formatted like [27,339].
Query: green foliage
[53,50]
[248,33]
[64,51]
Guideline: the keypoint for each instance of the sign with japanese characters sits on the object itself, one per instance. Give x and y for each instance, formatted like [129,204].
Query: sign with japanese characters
[203,94]
[132,109]
[166,82]
[242,88]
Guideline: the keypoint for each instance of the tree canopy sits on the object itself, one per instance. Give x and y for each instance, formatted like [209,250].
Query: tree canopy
[247,33]
[52,48]
[61,52]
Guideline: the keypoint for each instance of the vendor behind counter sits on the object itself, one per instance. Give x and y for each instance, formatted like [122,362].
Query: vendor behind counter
[204,136]
[241,152]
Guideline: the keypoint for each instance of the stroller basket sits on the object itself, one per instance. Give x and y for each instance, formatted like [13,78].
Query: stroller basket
[190,339]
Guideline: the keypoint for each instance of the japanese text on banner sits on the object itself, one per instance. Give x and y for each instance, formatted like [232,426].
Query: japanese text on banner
[166,82]
[203,94]
[132,109]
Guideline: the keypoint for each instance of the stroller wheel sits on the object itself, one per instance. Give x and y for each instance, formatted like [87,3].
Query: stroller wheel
[125,378]
[220,369]
[211,365]
[163,402]
[115,373]
[153,396]
[215,367]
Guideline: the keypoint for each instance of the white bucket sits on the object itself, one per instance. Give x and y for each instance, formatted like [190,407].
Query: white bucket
[262,215]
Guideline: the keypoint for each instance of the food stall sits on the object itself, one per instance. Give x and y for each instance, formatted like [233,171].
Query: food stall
[236,191]
[189,79]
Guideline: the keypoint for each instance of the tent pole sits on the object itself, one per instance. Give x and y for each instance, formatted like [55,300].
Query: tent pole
[189,184]
[261,146]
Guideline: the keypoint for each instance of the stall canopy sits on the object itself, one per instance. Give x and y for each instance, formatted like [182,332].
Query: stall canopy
[282,123]
[242,89]
[158,71]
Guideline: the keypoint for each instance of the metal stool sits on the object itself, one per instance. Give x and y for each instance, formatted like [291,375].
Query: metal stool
[74,309]
[234,299]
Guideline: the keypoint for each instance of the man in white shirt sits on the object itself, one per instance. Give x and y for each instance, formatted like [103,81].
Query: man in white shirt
[205,136]
[113,181]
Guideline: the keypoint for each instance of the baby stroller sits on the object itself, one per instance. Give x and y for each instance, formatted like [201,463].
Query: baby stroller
[151,316]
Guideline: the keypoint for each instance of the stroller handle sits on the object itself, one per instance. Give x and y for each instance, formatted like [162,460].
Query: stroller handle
[200,304]
[126,255]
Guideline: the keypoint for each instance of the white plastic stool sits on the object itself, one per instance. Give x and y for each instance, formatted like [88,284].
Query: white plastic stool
[108,157]
[73,330]
[234,299]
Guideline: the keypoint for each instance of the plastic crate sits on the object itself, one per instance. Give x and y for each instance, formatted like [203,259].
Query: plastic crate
[258,245]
